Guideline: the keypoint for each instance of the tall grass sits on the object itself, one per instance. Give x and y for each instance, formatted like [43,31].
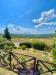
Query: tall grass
[40,45]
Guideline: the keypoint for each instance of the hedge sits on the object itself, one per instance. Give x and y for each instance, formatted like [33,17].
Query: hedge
[27,44]
[40,45]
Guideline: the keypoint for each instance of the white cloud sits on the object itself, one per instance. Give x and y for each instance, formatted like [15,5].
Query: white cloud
[47,23]
[50,23]
[45,16]
[21,30]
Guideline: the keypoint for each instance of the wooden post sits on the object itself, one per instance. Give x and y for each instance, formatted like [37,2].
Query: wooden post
[34,68]
[37,70]
[10,59]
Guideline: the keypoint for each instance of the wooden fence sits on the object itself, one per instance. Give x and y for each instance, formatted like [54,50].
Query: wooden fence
[7,61]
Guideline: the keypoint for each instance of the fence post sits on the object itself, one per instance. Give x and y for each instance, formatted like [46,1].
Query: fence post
[10,59]
[37,70]
[34,68]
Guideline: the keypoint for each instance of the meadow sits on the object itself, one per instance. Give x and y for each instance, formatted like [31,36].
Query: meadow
[30,51]
[39,54]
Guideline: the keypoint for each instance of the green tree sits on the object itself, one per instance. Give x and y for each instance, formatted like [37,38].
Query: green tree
[7,34]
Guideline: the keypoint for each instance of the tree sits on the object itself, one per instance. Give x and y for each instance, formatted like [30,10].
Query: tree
[7,34]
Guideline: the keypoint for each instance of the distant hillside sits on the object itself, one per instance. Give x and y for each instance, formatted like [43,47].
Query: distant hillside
[32,35]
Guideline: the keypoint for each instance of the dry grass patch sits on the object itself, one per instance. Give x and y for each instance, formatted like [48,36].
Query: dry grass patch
[6,72]
[32,52]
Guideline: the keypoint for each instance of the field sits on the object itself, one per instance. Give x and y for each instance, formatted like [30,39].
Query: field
[43,55]
[47,40]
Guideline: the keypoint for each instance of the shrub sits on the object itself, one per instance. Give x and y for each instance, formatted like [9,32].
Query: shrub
[15,47]
[22,58]
[54,57]
[27,44]
[19,47]
[23,47]
[1,42]
[39,45]
[54,52]
[6,43]
[6,47]
[2,39]
[9,43]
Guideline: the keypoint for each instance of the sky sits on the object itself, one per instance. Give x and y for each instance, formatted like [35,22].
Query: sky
[28,16]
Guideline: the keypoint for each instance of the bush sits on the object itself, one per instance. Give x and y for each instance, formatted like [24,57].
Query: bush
[22,58]
[54,57]
[23,47]
[6,47]
[27,44]
[2,40]
[19,47]
[54,51]
[6,43]
[39,45]
[15,47]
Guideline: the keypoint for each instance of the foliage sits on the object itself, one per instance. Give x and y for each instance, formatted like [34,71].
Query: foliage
[15,47]
[5,44]
[54,57]
[1,42]
[7,34]
[39,45]
[27,44]
[54,51]
[23,47]
[2,39]
[6,48]
[19,47]
[22,58]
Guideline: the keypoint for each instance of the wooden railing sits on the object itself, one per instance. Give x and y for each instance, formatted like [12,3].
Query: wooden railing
[7,59]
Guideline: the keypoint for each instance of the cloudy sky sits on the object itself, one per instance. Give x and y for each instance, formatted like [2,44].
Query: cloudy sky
[28,16]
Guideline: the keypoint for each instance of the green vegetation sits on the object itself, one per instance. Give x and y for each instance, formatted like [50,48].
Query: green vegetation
[27,44]
[22,58]
[54,52]
[39,48]
[7,34]
[6,44]
[32,35]
[36,45]
[39,45]
[23,47]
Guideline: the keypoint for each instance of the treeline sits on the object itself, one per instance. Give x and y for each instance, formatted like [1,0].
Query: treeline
[32,35]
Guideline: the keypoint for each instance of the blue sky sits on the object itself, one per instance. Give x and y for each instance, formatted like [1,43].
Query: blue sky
[28,16]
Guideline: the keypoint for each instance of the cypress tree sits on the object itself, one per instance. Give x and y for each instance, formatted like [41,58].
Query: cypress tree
[7,34]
